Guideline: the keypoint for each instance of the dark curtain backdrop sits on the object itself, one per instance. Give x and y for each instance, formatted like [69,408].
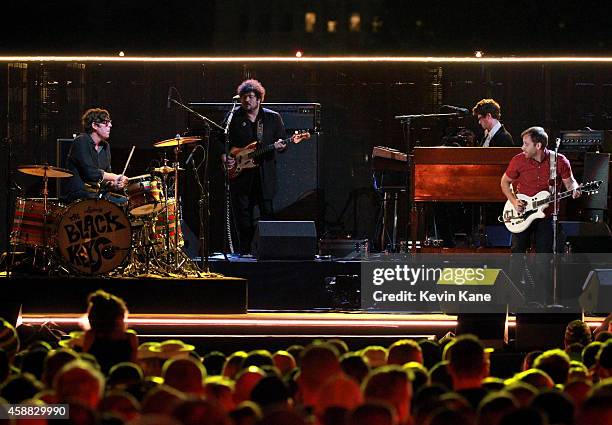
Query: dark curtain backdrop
[40,102]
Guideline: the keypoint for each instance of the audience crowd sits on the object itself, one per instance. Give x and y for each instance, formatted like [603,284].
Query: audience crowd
[106,377]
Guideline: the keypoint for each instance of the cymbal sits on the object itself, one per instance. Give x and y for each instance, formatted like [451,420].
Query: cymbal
[166,169]
[176,141]
[41,170]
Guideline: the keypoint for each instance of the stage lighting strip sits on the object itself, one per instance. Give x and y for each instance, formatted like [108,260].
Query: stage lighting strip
[294,59]
[169,320]
[308,336]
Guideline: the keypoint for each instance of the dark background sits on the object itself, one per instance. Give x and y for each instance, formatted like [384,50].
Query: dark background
[227,27]
[40,102]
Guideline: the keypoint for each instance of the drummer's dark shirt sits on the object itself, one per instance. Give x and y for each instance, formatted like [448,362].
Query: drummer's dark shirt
[88,166]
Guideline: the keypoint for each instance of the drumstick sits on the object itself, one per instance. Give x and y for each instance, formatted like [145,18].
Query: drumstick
[139,177]
[128,161]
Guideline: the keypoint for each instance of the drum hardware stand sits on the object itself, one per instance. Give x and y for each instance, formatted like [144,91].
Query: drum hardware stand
[142,261]
[165,201]
[204,198]
[8,140]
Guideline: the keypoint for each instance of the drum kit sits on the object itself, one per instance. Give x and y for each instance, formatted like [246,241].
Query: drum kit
[93,236]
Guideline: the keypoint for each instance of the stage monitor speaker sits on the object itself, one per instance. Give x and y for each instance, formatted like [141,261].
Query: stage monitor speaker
[586,236]
[596,167]
[542,330]
[10,311]
[596,294]
[285,240]
[490,328]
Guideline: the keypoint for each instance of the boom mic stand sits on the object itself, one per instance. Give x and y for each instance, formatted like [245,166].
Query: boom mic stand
[204,194]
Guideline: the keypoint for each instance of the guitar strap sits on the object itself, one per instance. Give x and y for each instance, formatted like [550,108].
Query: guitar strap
[553,172]
[260,130]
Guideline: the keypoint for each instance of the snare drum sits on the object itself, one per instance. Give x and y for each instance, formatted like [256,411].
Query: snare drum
[158,236]
[29,222]
[94,236]
[145,195]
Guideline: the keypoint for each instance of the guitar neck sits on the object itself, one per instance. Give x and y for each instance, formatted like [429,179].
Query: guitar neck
[551,198]
[268,148]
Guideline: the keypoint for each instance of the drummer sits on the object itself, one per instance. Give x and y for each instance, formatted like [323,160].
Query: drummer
[89,159]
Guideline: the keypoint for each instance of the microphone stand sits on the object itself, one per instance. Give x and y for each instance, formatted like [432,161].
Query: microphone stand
[406,120]
[228,232]
[555,217]
[203,202]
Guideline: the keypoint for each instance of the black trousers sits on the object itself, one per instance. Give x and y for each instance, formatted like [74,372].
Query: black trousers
[247,194]
[534,272]
[541,230]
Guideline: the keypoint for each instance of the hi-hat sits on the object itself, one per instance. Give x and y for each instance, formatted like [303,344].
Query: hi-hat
[176,141]
[166,169]
[45,170]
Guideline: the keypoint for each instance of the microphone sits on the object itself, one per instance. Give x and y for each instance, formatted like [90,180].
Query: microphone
[190,157]
[169,97]
[557,143]
[237,97]
[457,109]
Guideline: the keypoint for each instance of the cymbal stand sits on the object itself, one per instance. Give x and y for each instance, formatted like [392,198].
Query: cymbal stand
[175,261]
[177,150]
[166,195]
[45,247]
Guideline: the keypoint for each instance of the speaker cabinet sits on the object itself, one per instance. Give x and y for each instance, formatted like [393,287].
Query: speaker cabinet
[297,172]
[542,331]
[490,328]
[596,294]
[285,240]
[596,167]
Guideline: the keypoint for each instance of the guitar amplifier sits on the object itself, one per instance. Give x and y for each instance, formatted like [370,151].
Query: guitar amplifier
[296,116]
[582,141]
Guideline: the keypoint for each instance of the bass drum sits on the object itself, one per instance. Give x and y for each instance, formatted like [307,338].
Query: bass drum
[94,236]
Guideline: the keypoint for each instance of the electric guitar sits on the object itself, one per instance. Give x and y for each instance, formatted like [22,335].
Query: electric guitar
[246,157]
[535,206]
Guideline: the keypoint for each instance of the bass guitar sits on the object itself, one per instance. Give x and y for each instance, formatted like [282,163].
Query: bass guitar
[535,206]
[247,156]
